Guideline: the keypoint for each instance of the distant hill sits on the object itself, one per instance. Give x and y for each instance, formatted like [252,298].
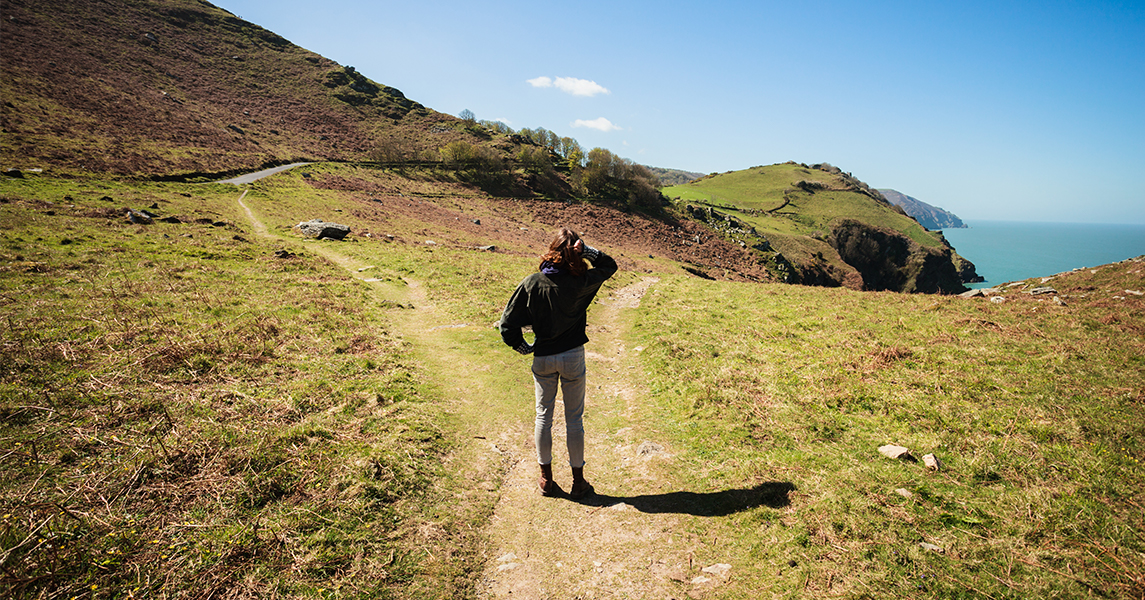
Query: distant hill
[674,176]
[819,225]
[930,217]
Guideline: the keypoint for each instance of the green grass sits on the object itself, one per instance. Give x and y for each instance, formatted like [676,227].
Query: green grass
[768,190]
[183,411]
[186,412]
[1034,418]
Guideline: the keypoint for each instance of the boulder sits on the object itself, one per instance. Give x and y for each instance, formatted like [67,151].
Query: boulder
[1042,290]
[317,228]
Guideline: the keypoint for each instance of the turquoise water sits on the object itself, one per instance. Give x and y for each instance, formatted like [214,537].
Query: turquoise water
[1011,250]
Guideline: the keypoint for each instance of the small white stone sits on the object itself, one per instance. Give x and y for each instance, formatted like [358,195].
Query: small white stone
[720,569]
[508,566]
[507,558]
[931,461]
[700,579]
[905,493]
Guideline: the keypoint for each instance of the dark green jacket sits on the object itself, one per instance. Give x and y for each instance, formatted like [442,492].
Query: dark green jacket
[556,306]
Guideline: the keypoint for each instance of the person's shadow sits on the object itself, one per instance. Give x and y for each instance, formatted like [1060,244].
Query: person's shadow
[772,494]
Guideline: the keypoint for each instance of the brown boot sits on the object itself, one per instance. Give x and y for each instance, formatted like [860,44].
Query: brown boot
[545,481]
[580,486]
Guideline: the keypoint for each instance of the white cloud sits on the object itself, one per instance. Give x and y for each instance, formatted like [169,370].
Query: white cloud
[601,124]
[570,85]
[541,82]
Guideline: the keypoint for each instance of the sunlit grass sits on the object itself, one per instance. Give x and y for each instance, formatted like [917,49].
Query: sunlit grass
[1030,416]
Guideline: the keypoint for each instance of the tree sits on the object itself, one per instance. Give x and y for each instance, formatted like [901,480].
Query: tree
[457,154]
[467,116]
[535,160]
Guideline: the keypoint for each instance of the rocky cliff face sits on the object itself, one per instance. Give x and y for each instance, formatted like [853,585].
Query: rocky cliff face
[930,217]
[888,260]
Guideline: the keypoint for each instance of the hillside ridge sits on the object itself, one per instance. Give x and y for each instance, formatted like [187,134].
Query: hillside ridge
[816,224]
[931,217]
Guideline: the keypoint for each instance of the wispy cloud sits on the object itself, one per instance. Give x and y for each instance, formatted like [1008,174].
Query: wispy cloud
[601,124]
[570,85]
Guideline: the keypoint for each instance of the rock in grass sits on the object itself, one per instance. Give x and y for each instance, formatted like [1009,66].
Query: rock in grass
[905,493]
[931,461]
[893,451]
[931,547]
[1038,291]
[720,569]
[318,228]
[138,217]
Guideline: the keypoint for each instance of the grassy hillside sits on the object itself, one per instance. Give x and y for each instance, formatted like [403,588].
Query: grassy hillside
[798,208]
[191,407]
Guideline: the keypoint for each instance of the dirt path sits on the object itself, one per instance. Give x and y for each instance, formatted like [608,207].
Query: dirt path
[629,541]
[632,539]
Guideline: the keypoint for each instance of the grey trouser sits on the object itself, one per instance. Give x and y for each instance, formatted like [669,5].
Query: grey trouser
[568,369]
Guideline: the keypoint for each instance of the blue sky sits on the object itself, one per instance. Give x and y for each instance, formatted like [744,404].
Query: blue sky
[1012,111]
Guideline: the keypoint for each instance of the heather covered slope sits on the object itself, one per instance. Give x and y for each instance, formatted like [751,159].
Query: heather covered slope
[154,87]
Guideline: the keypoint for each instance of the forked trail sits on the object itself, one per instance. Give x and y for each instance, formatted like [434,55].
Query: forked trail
[636,537]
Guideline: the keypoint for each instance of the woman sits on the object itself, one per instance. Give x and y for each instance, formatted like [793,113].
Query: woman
[554,301]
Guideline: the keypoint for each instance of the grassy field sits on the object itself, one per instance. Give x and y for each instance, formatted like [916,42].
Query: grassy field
[1034,410]
[192,407]
[185,410]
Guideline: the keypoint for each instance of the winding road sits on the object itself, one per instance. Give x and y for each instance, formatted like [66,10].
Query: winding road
[253,177]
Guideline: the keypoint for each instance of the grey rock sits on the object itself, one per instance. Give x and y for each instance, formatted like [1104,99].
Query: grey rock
[972,294]
[1038,291]
[894,451]
[931,547]
[317,228]
[998,299]
[138,217]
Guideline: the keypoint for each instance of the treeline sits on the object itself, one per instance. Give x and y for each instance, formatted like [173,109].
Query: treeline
[597,173]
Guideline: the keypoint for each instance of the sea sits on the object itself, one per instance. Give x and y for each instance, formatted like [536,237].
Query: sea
[1004,251]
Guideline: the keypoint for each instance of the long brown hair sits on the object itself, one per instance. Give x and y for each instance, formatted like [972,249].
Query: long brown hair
[562,255]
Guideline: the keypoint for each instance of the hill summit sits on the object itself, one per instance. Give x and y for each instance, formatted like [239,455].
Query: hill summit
[816,224]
